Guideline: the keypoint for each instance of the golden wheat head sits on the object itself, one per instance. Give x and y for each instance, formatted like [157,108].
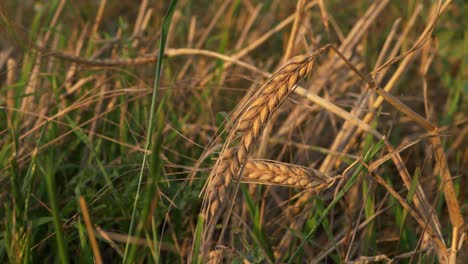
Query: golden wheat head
[250,124]
[275,173]
[245,131]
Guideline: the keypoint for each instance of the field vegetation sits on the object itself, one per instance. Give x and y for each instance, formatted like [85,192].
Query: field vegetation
[233,131]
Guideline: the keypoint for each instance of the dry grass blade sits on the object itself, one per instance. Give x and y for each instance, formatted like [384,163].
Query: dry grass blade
[365,259]
[90,230]
[294,30]
[270,172]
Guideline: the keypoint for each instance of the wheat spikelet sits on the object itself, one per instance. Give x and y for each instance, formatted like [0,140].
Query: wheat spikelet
[216,256]
[270,172]
[222,176]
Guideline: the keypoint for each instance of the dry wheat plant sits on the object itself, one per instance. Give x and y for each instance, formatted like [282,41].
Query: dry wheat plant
[254,115]
[233,131]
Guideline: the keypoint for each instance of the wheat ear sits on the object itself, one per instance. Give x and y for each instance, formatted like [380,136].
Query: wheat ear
[275,173]
[247,128]
[251,123]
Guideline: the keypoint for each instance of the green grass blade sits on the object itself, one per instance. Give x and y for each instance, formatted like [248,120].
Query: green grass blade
[164,32]
[198,237]
[156,166]
[50,184]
